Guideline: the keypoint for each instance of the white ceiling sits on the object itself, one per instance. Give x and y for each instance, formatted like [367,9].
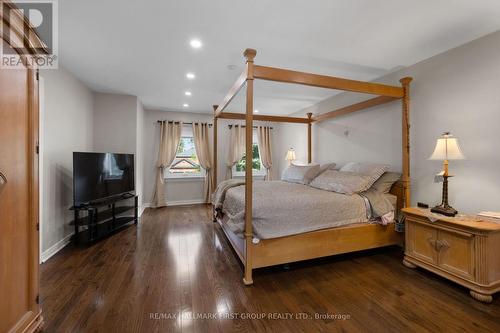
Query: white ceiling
[142,48]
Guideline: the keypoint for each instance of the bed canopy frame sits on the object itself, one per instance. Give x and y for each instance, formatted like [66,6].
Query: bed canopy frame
[298,247]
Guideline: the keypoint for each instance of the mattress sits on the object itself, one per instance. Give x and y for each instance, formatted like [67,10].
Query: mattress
[283,209]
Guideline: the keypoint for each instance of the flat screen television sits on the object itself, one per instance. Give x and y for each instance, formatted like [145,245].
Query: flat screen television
[98,176]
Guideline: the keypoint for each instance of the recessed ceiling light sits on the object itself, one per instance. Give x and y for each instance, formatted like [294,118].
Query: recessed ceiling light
[232,67]
[187,93]
[185,105]
[255,111]
[190,76]
[195,43]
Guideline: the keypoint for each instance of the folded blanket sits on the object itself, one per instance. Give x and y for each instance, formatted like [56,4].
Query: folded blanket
[220,193]
[380,205]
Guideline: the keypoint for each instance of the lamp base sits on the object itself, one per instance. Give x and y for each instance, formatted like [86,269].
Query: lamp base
[444,210]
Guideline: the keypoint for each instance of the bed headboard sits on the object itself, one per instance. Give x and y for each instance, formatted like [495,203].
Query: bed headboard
[397,189]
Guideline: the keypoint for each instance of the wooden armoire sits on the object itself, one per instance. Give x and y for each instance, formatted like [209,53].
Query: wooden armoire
[19,237]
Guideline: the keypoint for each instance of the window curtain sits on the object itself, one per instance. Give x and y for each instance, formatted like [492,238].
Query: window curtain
[170,135]
[236,148]
[200,135]
[264,142]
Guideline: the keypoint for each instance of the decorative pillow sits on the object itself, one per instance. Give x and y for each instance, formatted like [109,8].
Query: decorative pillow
[301,174]
[384,183]
[342,182]
[374,171]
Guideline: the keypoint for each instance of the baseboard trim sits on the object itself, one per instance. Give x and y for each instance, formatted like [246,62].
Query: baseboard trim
[185,202]
[177,203]
[51,251]
[143,208]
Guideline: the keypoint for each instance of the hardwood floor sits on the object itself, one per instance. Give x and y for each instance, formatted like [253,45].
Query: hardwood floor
[175,270]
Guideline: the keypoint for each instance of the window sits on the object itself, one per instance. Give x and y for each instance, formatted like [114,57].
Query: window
[186,162]
[257,167]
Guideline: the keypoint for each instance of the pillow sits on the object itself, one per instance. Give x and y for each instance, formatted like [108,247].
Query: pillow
[384,183]
[326,166]
[342,182]
[374,171]
[301,174]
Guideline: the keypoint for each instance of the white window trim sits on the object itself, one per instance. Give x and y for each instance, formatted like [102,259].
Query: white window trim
[258,173]
[198,175]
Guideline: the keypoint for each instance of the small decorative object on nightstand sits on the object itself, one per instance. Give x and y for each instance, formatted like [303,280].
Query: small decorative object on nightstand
[290,156]
[463,249]
[447,148]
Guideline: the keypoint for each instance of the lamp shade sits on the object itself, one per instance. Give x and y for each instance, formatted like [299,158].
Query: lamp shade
[447,148]
[290,155]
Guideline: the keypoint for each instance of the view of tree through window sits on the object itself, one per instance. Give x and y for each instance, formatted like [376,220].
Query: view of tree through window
[240,166]
[186,161]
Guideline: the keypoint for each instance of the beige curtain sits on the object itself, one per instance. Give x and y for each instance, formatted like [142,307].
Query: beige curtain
[170,135]
[264,141]
[236,148]
[200,135]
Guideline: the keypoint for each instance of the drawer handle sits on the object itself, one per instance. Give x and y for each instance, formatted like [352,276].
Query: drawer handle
[441,244]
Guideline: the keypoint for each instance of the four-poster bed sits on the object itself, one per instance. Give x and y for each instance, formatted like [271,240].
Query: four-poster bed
[324,242]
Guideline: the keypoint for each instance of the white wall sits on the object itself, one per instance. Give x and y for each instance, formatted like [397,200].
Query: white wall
[66,127]
[185,190]
[115,123]
[139,158]
[117,128]
[365,136]
[456,91]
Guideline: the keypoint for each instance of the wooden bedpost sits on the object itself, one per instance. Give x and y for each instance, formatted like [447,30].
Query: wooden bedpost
[249,55]
[215,160]
[215,148]
[405,82]
[309,138]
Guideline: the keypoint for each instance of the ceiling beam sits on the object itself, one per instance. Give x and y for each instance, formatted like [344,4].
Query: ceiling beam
[330,82]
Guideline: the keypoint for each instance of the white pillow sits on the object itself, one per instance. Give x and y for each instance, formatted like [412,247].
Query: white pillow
[342,182]
[372,170]
[301,174]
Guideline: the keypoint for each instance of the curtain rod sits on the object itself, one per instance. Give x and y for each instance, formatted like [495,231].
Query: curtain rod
[245,126]
[188,123]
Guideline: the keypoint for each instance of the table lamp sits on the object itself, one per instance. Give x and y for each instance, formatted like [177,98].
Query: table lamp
[447,148]
[290,156]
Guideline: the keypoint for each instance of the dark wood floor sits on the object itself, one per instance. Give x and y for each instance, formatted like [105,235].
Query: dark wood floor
[175,271]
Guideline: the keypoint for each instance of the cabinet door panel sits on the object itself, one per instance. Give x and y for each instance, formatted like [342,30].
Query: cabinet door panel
[19,257]
[456,253]
[421,242]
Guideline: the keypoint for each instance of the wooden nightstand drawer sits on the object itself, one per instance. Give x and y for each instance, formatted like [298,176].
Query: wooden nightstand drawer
[449,249]
[455,253]
[421,242]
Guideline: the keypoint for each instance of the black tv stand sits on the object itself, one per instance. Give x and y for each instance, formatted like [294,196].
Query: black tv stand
[104,218]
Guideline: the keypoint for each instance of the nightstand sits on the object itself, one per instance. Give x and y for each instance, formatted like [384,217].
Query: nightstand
[465,250]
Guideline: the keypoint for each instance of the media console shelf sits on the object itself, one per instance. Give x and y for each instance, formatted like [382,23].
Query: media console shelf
[103,218]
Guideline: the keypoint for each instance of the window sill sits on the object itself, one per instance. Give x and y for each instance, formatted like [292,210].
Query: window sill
[185,179]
